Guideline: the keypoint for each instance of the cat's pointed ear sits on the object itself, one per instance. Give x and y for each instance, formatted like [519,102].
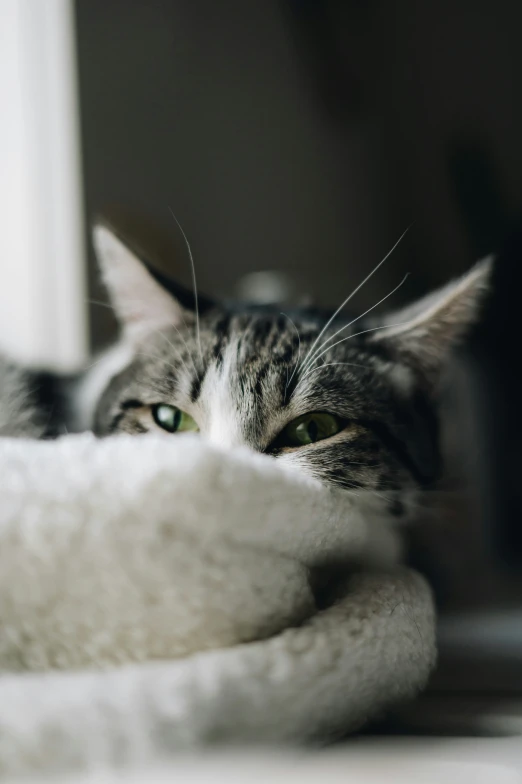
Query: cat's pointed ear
[426,332]
[141,303]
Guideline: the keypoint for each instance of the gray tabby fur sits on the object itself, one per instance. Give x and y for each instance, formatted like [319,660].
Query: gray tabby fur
[244,373]
[19,416]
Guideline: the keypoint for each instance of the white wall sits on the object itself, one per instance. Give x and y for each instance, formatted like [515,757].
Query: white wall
[42,285]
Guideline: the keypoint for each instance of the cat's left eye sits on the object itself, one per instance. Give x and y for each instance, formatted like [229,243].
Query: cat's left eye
[310,428]
[173,419]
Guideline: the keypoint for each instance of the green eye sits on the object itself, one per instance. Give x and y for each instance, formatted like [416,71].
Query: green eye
[309,428]
[172,419]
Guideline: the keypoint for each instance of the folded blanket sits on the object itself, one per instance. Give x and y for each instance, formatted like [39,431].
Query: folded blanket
[120,552]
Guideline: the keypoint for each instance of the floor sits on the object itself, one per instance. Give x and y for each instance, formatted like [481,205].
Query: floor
[359,761]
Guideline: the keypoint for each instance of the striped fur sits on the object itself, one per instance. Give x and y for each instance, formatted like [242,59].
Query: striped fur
[244,373]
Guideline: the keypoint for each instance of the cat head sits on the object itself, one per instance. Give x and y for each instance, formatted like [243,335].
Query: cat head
[351,403]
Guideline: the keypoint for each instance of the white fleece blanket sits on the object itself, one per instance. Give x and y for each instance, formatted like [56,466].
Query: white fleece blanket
[157,594]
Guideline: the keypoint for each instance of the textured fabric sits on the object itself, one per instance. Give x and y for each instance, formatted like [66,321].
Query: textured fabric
[120,552]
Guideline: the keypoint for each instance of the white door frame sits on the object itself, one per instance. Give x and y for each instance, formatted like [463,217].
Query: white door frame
[43,310]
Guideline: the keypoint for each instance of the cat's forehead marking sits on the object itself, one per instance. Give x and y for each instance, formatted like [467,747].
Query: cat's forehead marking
[219,402]
[241,393]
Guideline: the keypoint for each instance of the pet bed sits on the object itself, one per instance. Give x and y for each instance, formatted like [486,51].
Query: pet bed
[159,595]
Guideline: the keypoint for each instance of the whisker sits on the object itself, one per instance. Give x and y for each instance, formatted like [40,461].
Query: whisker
[173,326]
[366,492]
[97,302]
[93,364]
[311,359]
[332,364]
[363,332]
[148,355]
[165,338]
[359,463]
[194,284]
[354,292]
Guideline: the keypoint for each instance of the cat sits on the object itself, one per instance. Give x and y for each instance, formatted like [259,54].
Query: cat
[352,403]
[33,403]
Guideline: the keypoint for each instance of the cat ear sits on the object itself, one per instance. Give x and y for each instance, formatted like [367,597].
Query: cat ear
[426,332]
[141,303]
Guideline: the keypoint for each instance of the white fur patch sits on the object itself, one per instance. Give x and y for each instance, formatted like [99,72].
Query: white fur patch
[219,404]
[95,381]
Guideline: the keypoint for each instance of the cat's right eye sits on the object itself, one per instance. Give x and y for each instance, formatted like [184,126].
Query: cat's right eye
[310,428]
[173,419]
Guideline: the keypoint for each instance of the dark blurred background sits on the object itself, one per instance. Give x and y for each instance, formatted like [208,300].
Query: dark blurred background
[304,135]
[301,138]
